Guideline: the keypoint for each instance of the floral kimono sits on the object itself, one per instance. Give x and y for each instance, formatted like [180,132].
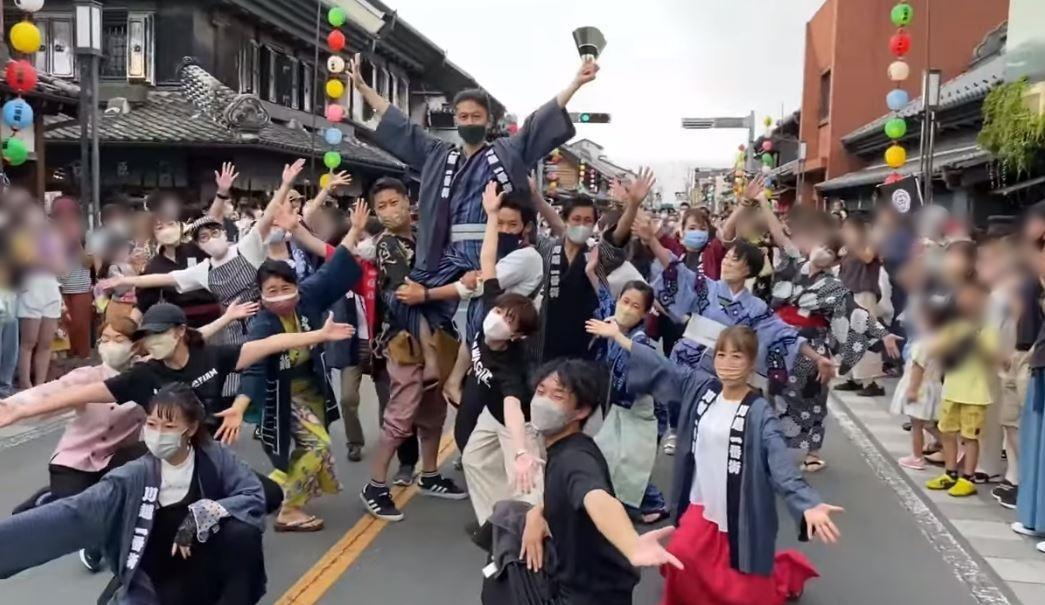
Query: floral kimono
[824,312]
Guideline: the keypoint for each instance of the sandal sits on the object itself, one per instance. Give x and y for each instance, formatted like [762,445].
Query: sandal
[309,525]
[813,466]
[652,518]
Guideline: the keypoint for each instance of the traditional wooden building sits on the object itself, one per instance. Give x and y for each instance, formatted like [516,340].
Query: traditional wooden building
[580,168]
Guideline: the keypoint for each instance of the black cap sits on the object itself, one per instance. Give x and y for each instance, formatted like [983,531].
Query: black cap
[160,318]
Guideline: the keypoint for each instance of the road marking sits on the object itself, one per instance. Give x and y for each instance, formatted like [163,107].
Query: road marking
[315,582]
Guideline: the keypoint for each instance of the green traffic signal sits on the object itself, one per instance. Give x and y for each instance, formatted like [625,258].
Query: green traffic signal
[585,117]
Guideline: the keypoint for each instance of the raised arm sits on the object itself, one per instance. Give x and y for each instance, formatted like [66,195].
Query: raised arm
[224,181]
[555,222]
[729,228]
[149,280]
[256,350]
[646,230]
[92,393]
[336,180]
[355,75]
[631,195]
[488,252]
[589,69]
[612,521]
[275,205]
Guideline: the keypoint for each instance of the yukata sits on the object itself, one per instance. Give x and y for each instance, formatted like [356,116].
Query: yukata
[708,306]
[825,313]
[731,463]
[452,217]
[293,389]
[628,436]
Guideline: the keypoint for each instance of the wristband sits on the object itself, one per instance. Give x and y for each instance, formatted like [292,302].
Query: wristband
[222,196]
[427,294]
[520,453]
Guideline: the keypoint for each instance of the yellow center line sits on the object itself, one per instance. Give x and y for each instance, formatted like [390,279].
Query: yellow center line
[315,582]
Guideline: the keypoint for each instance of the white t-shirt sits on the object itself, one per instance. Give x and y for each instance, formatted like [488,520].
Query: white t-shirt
[175,481]
[710,456]
[198,277]
[522,271]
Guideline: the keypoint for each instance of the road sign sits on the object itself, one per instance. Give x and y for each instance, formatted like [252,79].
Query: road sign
[588,117]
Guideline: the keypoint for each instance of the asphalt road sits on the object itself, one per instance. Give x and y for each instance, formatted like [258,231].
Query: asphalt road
[883,558]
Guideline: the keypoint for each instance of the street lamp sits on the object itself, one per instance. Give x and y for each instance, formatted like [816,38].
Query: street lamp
[89,52]
[930,103]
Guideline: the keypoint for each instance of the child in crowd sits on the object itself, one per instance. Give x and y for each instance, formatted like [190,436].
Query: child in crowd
[917,395]
[967,349]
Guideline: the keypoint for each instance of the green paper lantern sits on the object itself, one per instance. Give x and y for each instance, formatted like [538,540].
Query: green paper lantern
[896,128]
[336,16]
[902,14]
[15,152]
[332,159]
[768,160]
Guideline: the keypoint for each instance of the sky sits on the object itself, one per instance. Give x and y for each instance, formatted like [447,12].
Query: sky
[664,59]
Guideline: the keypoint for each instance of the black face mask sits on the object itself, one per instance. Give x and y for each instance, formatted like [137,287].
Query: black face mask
[472,134]
[507,243]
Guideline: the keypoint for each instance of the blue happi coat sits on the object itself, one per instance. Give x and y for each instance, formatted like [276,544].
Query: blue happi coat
[765,466]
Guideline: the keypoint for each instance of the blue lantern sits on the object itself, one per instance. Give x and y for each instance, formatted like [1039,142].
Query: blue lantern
[18,114]
[333,136]
[897,99]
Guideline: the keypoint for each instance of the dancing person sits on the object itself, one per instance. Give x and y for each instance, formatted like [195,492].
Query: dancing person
[732,462]
[596,546]
[180,526]
[501,459]
[859,272]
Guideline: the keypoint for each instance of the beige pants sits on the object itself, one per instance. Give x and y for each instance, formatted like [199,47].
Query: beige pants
[489,465]
[870,365]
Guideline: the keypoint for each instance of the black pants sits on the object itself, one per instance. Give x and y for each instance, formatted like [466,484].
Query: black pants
[67,481]
[409,452]
[467,416]
[228,569]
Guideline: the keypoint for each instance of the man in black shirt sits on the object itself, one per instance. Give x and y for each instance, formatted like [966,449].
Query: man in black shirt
[596,545]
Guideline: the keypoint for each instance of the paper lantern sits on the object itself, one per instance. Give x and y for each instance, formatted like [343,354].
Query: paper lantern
[900,43]
[336,40]
[768,160]
[333,136]
[336,16]
[895,156]
[895,128]
[335,89]
[767,145]
[335,64]
[741,147]
[332,159]
[899,71]
[324,181]
[768,121]
[897,99]
[15,152]
[25,37]
[20,76]
[18,114]
[893,177]
[29,6]
[335,112]
[902,14]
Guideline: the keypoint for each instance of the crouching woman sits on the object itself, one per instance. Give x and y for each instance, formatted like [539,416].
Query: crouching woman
[181,525]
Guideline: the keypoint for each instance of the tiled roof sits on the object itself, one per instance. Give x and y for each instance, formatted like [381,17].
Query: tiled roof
[596,161]
[166,118]
[970,86]
[961,153]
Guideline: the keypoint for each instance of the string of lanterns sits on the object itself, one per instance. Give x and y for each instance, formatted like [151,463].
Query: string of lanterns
[552,171]
[335,89]
[896,127]
[21,77]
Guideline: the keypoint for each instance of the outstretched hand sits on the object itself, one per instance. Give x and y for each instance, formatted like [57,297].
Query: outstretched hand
[491,199]
[892,345]
[820,524]
[225,179]
[292,171]
[637,190]
[360,215]
[241,310]
[333,331]
[355,72]
[339,179]
[602,328]
[649,552]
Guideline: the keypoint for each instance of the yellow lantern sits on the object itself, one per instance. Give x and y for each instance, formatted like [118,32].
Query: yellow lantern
[324,181]
[25,37]
[895,156]
[335,89]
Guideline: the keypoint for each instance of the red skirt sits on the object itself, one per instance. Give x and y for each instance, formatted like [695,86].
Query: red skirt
[708,578]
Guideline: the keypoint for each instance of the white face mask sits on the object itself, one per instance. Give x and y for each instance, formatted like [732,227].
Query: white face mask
[496,328]
[162,445]
[367,250]
[115,355]
[579,234]
[277,235]
[217,246]
[161,346]
[547,417]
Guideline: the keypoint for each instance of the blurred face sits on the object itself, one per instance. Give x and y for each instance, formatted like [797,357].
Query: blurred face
[734,269]
[972,302]
[992,261]
[392,208]
[732,365]
[956,267]
[852,235]
[323,226]
[295,203]
[470,113]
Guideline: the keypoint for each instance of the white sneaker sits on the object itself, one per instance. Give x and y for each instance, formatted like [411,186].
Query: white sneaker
[1025,531]
[1041,547]
[669,444]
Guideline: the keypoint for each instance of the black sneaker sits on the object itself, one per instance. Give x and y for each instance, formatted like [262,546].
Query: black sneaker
[91,559]
[405,476]
[871,390]
[355,452]
[438,486]
[378,502]
[1008,499]
[849,385]
[1003,492]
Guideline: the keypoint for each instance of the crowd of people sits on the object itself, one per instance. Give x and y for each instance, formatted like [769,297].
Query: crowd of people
[593,340]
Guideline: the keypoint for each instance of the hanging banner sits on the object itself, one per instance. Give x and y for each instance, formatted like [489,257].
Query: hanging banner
[905,195]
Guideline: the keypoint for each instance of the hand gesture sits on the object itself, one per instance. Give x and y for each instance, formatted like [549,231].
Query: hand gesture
[826,369]
[603,329]
[285,217]
[534,533]
[185,537]
[411,293]
[237,310]
[492,199]
[339,179]
[818,519]
[643,227]
[333,332]
[650,553]
[291,171]
[355,72]
[892,345]
[637,190]
[231,421]
[755,189]
[226,177]
[111,283]
[360,215]
[589,69]
[470,280]
[526,466]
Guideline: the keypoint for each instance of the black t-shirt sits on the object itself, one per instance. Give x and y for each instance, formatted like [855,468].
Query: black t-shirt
[205,372]
[564,332]
[496,374]
[593,570]
[185,256]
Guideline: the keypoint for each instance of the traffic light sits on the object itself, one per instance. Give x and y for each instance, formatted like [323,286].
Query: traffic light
[590,118]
